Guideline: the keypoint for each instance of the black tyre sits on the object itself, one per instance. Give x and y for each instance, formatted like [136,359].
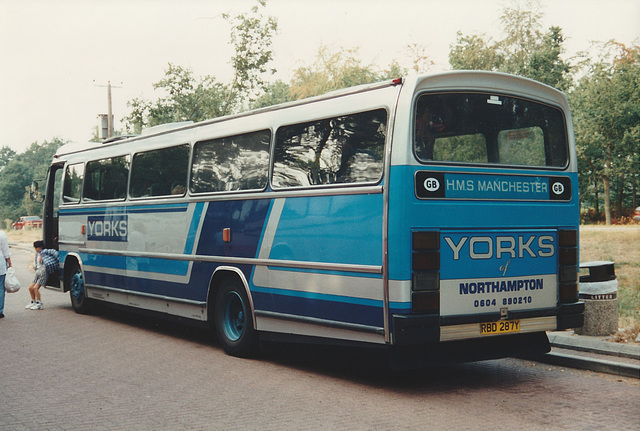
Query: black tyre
[233,319]
[77,292]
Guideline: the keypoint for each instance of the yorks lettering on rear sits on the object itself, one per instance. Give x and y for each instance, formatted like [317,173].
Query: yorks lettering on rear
[488,247]
[107,228]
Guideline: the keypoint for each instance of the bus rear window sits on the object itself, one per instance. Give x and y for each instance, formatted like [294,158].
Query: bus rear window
[487,128]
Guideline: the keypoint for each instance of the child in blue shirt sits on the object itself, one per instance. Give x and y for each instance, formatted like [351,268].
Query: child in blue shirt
[46,262]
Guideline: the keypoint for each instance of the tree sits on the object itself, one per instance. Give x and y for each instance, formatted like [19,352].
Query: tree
[331,71]
[186,98]
[18,174]
[474,52]
[6,155]
[338,69]
[606,106]
[525,50]
[421,59]
[251,37]
[278,92]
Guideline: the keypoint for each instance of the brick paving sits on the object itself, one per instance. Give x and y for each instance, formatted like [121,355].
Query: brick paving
[119,371]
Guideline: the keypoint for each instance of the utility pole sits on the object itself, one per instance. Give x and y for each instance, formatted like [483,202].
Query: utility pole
[109,108]
[109,112]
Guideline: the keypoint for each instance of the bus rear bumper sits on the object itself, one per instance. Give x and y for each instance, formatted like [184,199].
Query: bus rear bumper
[431,329]
[526,345]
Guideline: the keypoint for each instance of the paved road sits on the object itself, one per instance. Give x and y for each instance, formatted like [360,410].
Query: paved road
[118,371]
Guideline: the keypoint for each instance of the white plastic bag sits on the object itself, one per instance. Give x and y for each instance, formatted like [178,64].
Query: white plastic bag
[11,283]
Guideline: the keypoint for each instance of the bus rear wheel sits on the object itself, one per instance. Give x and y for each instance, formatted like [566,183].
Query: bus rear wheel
[77,292]
[233,320]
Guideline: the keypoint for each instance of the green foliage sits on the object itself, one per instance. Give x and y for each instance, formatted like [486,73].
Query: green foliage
[524,50]
[546,65]
[338,69]
[331,71]
[251,37]
[6,155]
[474,52]
[17,175]
[185,99]
[606,107]
[275,93]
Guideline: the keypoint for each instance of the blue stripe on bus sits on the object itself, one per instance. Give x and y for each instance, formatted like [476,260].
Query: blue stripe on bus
[244,218]
[193,228]
[367,313]
[143,285]
[318,296]
[181,207]
[399,307]
[142,264]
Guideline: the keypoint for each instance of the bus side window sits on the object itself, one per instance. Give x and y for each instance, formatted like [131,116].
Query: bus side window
[106,179]
[72,186]
[340,150]
[231,163]
[157,172]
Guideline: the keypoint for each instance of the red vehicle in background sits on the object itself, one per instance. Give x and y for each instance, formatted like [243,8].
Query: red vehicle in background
[27,221]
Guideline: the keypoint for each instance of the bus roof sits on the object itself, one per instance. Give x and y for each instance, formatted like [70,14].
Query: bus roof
[435,81]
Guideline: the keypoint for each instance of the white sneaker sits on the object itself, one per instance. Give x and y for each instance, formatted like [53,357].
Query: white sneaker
[37,306]
[29,305]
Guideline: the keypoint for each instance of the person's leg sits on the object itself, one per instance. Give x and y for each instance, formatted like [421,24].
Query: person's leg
[2,295]
[36,292]
[33,296]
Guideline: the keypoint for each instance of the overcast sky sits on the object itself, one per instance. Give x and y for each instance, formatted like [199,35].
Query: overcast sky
[56,56]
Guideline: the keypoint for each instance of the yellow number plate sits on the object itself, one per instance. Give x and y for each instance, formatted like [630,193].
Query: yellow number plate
[501,327]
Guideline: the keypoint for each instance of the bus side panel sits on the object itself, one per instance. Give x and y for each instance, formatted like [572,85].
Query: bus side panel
[345,230]
[177,229]
[341,230]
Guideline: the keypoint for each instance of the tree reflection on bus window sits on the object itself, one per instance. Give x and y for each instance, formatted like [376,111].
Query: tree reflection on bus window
[231,163]
[106,179]
[72,187]
[339,150]
[489,129]
[160,172]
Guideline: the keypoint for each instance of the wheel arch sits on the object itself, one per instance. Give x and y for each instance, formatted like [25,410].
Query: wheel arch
[69,261]
[219,275]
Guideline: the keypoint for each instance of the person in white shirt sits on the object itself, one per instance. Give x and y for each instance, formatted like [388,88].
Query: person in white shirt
[5,262]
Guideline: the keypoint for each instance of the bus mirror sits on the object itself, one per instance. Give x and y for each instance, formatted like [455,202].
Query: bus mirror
[34,193]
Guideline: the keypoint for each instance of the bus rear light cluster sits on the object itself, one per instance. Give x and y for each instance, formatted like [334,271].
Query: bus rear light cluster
[425,266]
[568,268]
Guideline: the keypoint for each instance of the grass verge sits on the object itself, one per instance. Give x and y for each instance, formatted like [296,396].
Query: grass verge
[621,245]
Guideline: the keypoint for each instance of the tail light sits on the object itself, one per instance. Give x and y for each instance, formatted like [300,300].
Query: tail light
[568,265]
[425,266]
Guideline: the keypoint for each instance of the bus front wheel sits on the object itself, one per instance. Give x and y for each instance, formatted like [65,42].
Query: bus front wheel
[77,292]
[233,319]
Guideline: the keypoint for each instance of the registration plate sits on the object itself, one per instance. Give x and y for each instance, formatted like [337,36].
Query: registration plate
[501,327]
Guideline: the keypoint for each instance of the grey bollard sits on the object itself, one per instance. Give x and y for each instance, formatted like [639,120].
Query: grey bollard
[599,292]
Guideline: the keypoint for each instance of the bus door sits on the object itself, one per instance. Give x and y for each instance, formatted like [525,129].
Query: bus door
[53,188]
